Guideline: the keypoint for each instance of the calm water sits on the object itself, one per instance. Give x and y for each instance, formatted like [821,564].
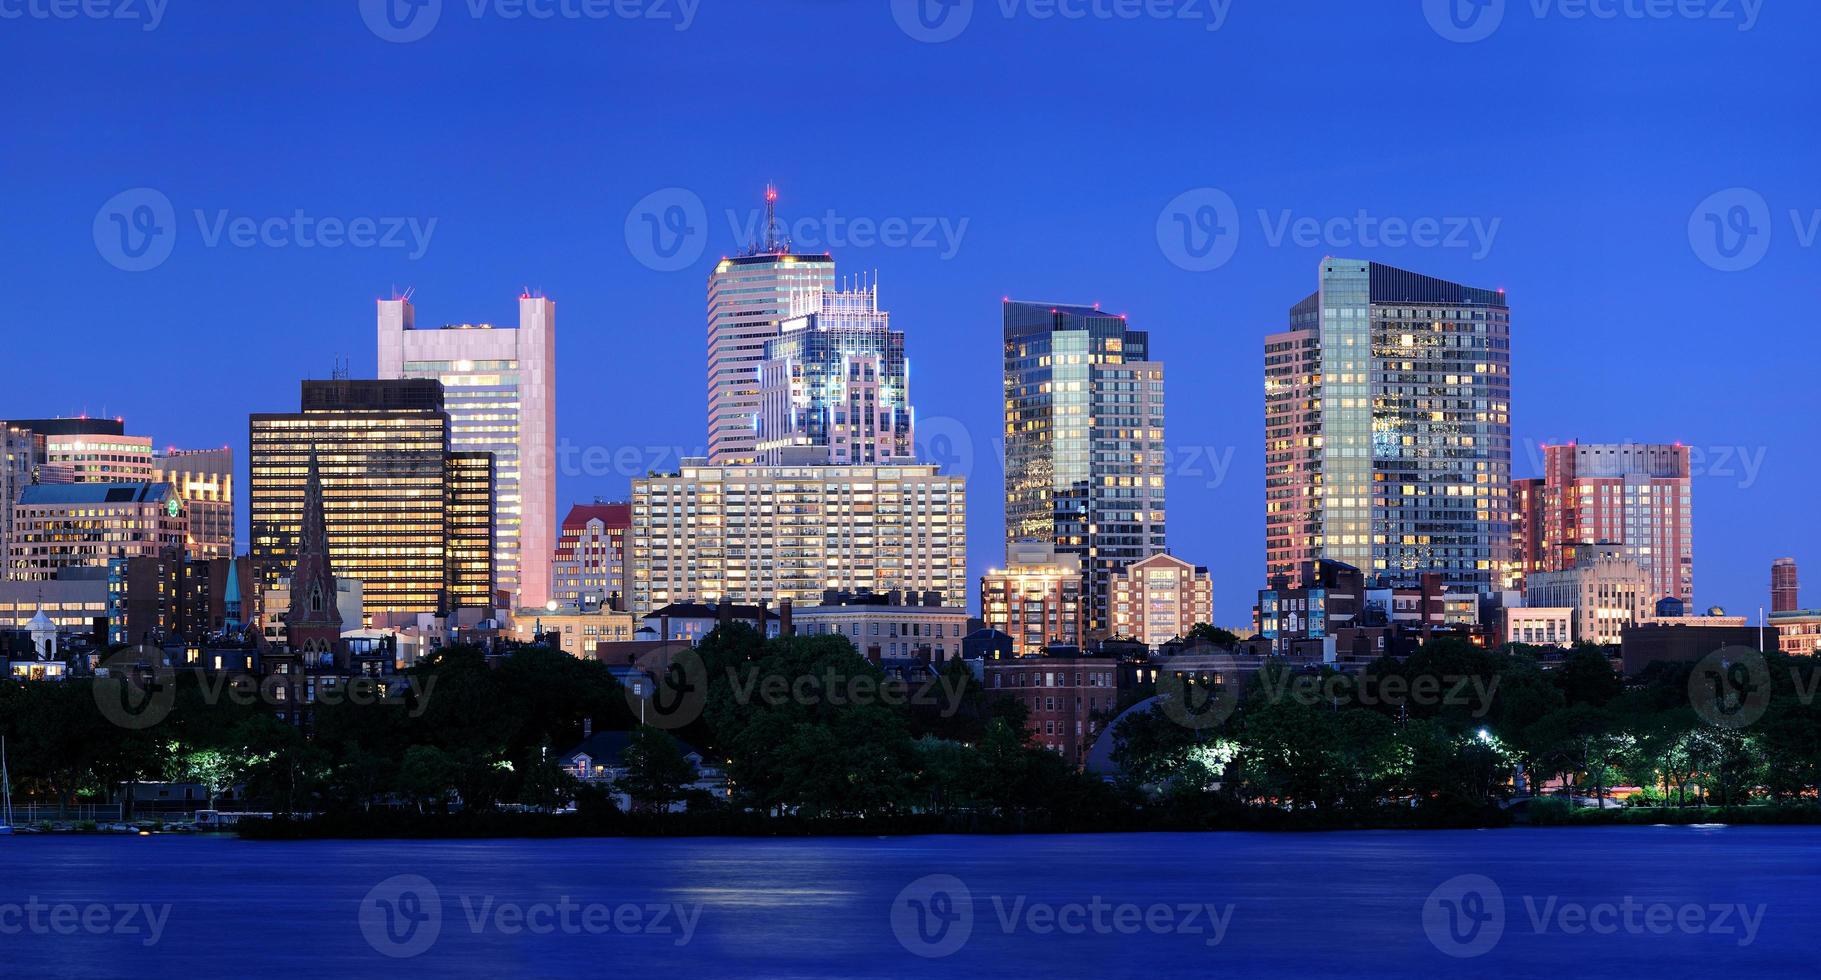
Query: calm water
[1617,902]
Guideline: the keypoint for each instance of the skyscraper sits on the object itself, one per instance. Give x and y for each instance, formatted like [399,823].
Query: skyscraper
[1634,496]
[1388,428]
[403,512]
[1785,593]
[499,387]
[749,296]
[834,385]
[204,478]
[1084,467]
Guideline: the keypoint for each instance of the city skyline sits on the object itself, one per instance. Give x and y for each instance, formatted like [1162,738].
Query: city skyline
[1599,258]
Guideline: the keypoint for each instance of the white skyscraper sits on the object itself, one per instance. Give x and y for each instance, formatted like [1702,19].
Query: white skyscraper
[500,392]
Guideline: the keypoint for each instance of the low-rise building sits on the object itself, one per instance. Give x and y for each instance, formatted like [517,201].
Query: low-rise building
[1062,693]
[1543,626]
[691,621]
[1798,631]
[888,626]
[579,628]
[1159,599]
[1607,592]
[600,760]
[1037,599]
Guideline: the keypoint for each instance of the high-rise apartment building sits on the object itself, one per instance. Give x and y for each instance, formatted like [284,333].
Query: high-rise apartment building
[746,534]
[1161,599]
[86,525]
[1084,452]
[1388,428]
[403,513]
[1635,496]
[590,560]
[499,389]
[749,297]
[834,384]
[15,475]
[1785,592]
[90,458]
[1037,599]
[204,479]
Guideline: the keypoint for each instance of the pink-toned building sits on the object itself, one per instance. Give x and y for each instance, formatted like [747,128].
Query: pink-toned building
[590,559]
[1785,592]
[1160,599]
[1635,496]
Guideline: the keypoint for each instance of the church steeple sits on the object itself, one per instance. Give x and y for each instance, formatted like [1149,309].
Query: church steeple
[313,623]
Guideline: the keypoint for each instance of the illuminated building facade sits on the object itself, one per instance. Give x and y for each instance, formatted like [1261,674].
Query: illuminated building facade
[1607,591]
[1388,430]
[85,525]
[402,512]
[749,297]
[1159,599]
[747,534]
[499,390]
[1785,590]
[1084,452]
[204,478]
[834,384]
[15,475]
[1037,599]
[590,559]
[1635,496]
[93,458]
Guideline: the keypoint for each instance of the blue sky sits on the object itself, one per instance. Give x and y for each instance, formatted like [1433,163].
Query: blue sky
[1572,160]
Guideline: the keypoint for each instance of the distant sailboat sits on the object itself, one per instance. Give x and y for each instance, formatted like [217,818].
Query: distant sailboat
[6,793]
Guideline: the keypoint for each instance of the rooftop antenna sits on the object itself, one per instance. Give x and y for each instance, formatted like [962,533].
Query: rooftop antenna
[340,371]
[774,242]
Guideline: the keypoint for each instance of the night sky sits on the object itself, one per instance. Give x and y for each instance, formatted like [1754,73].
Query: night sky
[1573,161]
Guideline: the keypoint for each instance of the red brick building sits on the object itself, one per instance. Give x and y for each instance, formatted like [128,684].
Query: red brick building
[1062,693]
[1635,496]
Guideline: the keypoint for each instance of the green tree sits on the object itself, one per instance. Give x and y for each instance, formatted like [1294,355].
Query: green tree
[657,771]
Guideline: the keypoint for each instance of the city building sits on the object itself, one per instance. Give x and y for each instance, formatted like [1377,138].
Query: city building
[1607,591]
[276,602]
[1063,693]
[1159,599]
[153,598]
[499,390]
[580,628]
[600,760]
[1084,451]
[1636,496]
[749,297]
[834,384]
[1322,615]
[1543,626]
[590,559]
[404,514]
[1651,643]
[15,476]
[1036,599]
[1388,429]
[87,457]
[1798,631]
[1785,590]
[76,602]
[889,626]
[746,533]
[58,526]
[689,622]
[313,622]
[204,481]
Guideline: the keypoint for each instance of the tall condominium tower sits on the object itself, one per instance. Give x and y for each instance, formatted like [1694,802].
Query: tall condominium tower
[834,385]
[406,517]
[499,386]
[1633,497]
[1388,428]
[1785,595]
[204,478]
[749,297]
[1083,441]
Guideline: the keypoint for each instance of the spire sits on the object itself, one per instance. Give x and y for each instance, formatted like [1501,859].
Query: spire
[772,241]
[313,532]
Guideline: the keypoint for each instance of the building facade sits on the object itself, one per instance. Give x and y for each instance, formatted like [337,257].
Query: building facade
[15,476]
[1084,451]
[1037,598]
[88,457]
[749,533]
[85,525]
[1062,693]
[390,486]
[888,627]
[1607,591]
[749,297]
[1159,599]
[499,389]
[1388,430]
[1546,626]
[1636,496]
[579,627]
[834,384]
[1785,589]
[590,559]
[1798,631]
[204,479]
